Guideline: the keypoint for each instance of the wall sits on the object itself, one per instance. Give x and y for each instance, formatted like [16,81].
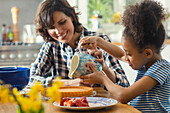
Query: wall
[26,15]
[28,9]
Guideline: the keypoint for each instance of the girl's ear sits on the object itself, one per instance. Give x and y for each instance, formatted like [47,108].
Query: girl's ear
[148,53]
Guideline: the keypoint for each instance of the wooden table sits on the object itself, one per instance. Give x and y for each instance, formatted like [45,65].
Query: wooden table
[100,92]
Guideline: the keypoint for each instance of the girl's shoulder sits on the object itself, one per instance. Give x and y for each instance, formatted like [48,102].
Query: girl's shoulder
[159,71]
[162,62]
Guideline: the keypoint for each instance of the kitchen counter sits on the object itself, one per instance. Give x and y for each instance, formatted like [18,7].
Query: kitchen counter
[18,54]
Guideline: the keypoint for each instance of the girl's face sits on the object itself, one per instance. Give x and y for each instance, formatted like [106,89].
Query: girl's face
[63,28]
[135,59]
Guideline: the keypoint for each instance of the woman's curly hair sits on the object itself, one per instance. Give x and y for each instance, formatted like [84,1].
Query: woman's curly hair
[143,24]
[44,16]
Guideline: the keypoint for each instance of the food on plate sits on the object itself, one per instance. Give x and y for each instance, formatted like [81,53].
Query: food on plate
[75,91]
[74,102]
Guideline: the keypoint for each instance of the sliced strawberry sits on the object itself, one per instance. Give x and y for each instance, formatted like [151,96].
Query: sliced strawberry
[79,103]
[70,103]
[66,103]
[83,99]
[63,100]
[85,104]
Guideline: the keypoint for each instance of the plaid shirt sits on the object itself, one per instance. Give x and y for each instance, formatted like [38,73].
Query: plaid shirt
[61,54]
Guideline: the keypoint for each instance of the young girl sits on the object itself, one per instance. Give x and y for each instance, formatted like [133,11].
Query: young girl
[142,40]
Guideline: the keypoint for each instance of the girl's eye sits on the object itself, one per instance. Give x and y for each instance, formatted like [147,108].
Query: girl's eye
[63,22]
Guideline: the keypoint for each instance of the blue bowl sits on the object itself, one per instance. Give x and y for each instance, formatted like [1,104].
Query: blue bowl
[16,76]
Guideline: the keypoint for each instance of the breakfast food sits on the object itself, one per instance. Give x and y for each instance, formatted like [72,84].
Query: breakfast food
[73,102]
[75,91]
[72,91]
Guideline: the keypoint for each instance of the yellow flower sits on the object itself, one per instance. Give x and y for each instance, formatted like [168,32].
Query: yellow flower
[37,105]
[32,103]
[11,98]
[4,95]
[16,92]
[34,93]
[25,104]
[53,92]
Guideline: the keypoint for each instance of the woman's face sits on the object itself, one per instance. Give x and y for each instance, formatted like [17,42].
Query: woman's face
[63,28]
[135,59]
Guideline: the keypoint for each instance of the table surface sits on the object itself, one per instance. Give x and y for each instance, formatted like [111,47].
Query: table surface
[100,92]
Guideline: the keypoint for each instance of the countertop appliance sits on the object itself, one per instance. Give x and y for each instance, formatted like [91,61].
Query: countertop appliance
[18,54]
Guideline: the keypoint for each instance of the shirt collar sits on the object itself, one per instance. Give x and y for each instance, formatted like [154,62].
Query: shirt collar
[66,47]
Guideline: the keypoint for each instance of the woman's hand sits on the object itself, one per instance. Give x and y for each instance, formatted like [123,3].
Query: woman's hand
[95,77]
[75,82]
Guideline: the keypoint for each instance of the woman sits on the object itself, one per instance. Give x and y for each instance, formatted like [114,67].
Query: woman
[58,24]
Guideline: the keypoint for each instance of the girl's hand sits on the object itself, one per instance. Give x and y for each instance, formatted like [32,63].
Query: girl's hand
[99,57]
[89,42]
[95,77]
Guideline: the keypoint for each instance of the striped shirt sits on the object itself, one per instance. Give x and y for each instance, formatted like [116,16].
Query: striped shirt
[158,98]
[61,54]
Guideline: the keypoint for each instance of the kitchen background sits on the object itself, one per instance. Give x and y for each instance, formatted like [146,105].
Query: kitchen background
[98,15]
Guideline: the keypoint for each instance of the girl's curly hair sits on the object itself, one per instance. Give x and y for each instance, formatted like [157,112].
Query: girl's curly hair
[44,16]
[143,24]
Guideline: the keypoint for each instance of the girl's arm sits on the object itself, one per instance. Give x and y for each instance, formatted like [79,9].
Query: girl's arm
[124,95]
[112,49]
[121,94]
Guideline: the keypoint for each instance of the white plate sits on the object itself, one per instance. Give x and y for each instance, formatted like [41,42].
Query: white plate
[94,103]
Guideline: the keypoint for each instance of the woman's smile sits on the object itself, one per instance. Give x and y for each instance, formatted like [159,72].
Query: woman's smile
[63,36]
[62,30]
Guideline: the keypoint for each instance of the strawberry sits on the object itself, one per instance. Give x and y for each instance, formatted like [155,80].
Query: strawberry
[79,103]
[61,103]
[70,103]
[66,103]
[83,99]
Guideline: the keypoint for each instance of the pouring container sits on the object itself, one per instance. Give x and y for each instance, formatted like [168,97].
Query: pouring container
[80,64]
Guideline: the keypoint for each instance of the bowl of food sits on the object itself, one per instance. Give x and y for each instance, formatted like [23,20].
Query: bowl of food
[16,76]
